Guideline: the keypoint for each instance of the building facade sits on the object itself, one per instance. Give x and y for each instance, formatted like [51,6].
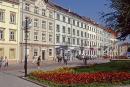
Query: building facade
[9,29]
[54,31]
[124,46]
[40,36]
[80,35]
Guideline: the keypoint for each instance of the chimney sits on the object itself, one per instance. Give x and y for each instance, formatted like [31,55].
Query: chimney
[69,10]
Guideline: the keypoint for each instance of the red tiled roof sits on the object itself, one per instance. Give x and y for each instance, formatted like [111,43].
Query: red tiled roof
[111,31]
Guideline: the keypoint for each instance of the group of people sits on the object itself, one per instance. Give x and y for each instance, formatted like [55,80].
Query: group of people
[3,61]
[65,58]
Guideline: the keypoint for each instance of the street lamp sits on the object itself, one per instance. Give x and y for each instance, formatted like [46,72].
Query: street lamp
[26,27]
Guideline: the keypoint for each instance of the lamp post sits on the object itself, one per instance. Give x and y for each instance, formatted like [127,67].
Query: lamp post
[27,23]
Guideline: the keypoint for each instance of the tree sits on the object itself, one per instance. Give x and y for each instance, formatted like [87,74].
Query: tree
[119,19]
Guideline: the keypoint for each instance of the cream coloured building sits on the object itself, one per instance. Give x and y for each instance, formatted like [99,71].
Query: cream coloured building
[41,34]
[9,29]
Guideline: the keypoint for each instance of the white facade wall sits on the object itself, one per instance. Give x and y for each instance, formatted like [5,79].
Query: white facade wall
[40,36]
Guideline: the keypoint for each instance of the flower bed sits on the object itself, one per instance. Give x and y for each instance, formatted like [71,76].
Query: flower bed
[82,78]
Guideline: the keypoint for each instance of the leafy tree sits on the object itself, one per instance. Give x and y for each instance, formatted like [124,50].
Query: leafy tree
[119,18]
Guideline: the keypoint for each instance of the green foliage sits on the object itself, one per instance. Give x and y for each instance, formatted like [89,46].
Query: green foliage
[111,66]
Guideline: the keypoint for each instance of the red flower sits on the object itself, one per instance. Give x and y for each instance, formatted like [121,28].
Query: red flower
[83,78]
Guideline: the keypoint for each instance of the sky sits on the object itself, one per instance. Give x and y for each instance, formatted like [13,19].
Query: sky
[88,8]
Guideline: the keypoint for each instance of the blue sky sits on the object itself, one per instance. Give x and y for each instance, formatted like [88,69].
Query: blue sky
[89,8]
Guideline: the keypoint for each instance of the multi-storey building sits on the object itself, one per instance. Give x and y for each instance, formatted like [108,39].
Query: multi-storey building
[55,30]
[9,29]
[79,35]
[41,33]
[124,46]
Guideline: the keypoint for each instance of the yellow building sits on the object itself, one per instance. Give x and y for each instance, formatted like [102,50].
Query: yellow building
[9,29]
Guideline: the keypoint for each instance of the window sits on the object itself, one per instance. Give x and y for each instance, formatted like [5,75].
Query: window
[81,33]
[50,37]
[36,10]
[69,31]
[44,36]
[69,21]
[58,17]
[58,28]
[1,34]
[50,14]
[35,52]
[74,41]
[57,39]
[43,12]
[85,34]
[77,24]
[63,29]
[63,18]
[50,52]
[12,53]
[85,26]
[73,22]
[2,15]
[81,25]
[77,41]
[27,6]
[35,36]
[44,24]
[85,43]
[82,43]
[12,35]
[1,51]
[50,26]
[69,40]
[12,17]
[35,22]
[63,39]
[77,32]
[73,31]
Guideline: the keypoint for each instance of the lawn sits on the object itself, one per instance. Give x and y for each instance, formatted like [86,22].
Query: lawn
[107,67]
[110,74]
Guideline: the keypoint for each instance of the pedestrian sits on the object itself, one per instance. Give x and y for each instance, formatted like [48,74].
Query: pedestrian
[38,62]
[6,62]
[65,59]
[1,61]
[59,58]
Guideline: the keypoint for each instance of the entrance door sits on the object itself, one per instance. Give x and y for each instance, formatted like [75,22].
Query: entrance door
[43,54]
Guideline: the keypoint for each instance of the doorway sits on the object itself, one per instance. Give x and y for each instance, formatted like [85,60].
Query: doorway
[43,54]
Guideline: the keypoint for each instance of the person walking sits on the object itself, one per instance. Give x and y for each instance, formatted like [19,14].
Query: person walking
[1,61]
[65,59]
[6,62]
[38,62]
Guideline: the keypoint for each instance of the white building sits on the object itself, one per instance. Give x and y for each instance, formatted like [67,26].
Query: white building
[55,28]
[124,46]
[79,35]
[40,36]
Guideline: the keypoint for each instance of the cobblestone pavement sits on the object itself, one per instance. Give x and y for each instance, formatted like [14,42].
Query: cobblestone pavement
[9,77]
